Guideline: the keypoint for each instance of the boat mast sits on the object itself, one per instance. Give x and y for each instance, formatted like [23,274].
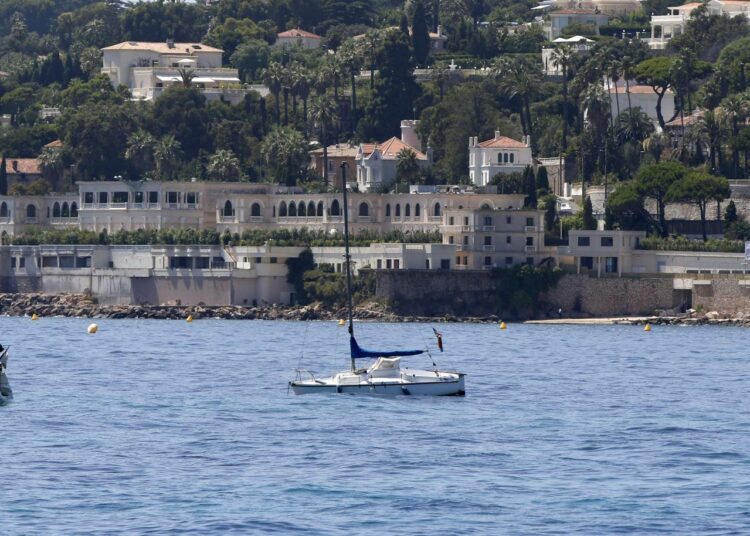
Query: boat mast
[347,256]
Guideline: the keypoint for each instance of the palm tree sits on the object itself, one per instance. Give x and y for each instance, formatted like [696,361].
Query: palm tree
[711,127]
[273,77]
[140,150]
[223,166]
[733,110]
[301,88]
[350,54]
[167,154]
[323,114]
[655,145]
[51,164]
[633,125]
[626,67]
[186,76]
[407,167]
[285,150]
[519,79]
[562,58]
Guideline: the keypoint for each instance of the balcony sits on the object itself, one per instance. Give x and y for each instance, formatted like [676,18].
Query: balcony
[530,249]
[227,219]
[488,228]
[530,228]
[488,247]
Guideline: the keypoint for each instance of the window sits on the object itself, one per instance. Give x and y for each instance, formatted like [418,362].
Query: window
[445,264]
[3,210]
[258,260]
[31,211]
[587,262]
[103,198]
[282,210]
[65,213]
[364,209]
[511,158]
[507,220]
[255,210]
[228,209]
[505,158]
[202,263]
[508,240]
[83,262]
[450,220]
[273,260]
[529,240]
[398,210]
[172,198]
[388,264]
[529,222]
[407,210]
[311,209]
[488,261]
[610,265]
[380,264]
[499,158]
[22,262]
[466,260]
[607,242]
[56,210]
[388,210]
[508,260]
[396,264]
[436,210]
[301,210]
[466,240]
[137,197]
[488,220]
[73,210]
[320,209]
[584,241]
[88,198]
[416,211]
[191,198]
[120,197]
[450,239]
[153,198]
[292,209]
[335,208]
[487,240]
[458,260]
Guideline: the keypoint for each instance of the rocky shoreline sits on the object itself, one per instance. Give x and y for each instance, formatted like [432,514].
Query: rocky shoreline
[82,306]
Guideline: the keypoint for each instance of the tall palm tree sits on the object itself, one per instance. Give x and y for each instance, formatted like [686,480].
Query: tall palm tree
[733,110]
[186,76]
[224,166]
[633,125]
[407,167]
[140,150]
[323,114]
[626,68]
[285,151]
[562,58]
[350,55]
[711,127]
[302,83]
[519,79]
[167,154]
[273,78]
[655,145]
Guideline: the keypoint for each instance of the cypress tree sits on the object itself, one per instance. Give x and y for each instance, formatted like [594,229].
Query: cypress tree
[529,187]
[730,213]
[589,223]
[420,34]
[3,177]
[542,180]
[404,26]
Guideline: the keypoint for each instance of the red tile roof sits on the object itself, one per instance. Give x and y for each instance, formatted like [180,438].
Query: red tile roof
[390,149]
[27,166]
[503,142]
[57,144]
[296,32]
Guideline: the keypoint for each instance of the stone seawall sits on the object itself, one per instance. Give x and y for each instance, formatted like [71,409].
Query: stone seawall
[475,293]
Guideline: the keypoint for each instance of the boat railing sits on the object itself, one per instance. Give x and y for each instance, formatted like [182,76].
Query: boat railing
[299,373]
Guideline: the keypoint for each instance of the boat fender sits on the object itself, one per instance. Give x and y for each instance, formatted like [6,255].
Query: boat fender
[405,391]
[338,389]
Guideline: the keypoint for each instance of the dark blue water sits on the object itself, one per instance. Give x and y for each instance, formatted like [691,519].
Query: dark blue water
[167,427]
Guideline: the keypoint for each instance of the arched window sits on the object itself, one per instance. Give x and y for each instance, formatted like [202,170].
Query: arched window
[31,211]
[364,210]
[311,209]
[301,210]
[335,208]
[505,158]
[255,210]
[388,210]
[499,158]
[511,158]
[3,210]
[56,210]
[282,210]
[320,209]
[292,209]
[485,206]
[73,210]
[65,211]
[416,211]
[436,210]
[407,210]
[228,210]
[398,210]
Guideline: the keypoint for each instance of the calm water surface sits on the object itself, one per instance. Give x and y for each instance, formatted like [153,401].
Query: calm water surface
[167,427]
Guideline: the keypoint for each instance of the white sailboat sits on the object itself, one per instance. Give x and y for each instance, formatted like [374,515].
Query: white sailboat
[384,376]
[6,394]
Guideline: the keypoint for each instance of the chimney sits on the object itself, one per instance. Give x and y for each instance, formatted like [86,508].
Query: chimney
[14,165]
[440,30]
[170,43]
[497,134]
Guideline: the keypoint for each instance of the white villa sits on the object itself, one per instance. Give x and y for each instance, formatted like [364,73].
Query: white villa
[664,27]
[149,68]
[497,155]
[297,37]
[377,163]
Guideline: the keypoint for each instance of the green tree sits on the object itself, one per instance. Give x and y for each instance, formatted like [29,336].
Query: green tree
[407,167]
[655,181]
[529,187]
[542,180]
[730,213]
[285,153]
[140,151]
[273,77]
[589,222]
[3,176]
[520,80]
[658,73]
[549,204]
[233,33]
[181,112]
[563,58]
[699,188]
[296,269]
[167,153]
[224,166]
[420,34]
[323,115]
[251,58]
[625,210]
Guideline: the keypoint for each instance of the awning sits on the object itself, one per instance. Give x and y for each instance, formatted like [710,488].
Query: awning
[203,80]
[226,78]
[164,78]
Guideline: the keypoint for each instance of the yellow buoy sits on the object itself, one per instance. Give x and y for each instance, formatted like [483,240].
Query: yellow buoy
[502,325]
[92,328]
[34,317]
[647,328]
[189,318]
[342,322]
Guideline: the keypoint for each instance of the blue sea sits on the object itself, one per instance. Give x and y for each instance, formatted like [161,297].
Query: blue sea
[165,427]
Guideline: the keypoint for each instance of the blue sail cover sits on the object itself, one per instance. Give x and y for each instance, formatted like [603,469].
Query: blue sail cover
[360,353]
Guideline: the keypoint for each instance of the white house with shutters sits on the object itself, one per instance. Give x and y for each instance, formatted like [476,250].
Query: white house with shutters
[500,154]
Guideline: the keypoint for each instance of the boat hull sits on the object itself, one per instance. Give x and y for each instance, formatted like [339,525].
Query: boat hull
[6,393]
[440,388]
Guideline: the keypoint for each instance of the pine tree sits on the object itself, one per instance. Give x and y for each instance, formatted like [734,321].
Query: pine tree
[589,223]
[420,34]
[3,177]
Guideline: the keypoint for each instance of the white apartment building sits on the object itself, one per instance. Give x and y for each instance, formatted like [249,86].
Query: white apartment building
[147,69]
[500,154]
